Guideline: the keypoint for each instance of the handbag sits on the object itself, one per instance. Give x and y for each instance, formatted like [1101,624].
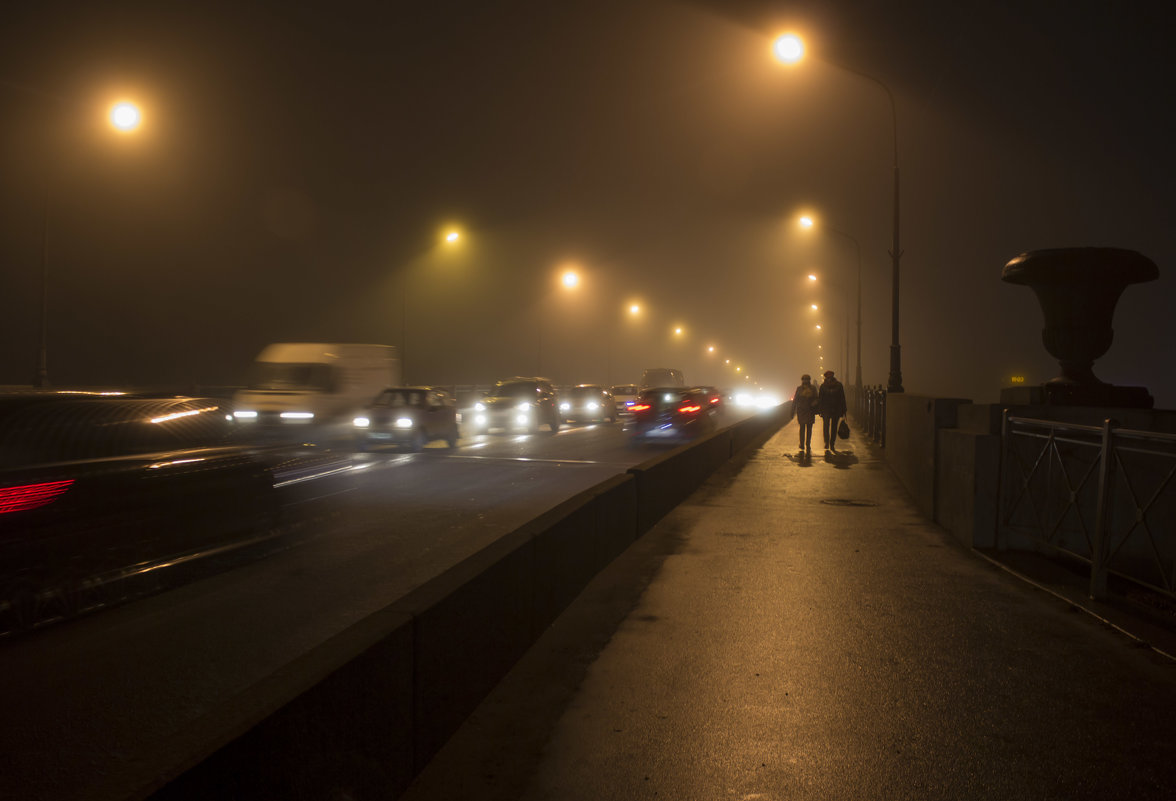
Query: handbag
[843,429]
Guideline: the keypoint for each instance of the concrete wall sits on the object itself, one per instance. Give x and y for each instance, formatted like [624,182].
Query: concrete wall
[912,426]
[362,713]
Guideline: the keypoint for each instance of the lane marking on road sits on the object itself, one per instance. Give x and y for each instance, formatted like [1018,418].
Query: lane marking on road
[476,458]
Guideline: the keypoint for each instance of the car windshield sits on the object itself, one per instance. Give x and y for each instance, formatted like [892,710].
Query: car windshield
[580,393]
[625,389]
[522,390]
[292,376]
[398,398]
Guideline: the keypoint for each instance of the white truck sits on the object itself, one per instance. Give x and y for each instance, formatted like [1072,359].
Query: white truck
[299,384]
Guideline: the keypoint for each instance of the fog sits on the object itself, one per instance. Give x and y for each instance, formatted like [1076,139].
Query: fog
[298,163]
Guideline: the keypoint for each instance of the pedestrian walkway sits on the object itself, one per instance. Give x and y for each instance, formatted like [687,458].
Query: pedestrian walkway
[796,630]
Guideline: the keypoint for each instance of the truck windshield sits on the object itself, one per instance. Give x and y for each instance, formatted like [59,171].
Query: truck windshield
[292,376]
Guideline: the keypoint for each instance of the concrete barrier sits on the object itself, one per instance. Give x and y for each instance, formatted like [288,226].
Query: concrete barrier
[362,713]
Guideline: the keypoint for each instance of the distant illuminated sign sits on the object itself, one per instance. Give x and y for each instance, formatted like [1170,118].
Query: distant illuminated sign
[1018,379]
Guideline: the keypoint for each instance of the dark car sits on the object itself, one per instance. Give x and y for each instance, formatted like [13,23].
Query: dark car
[408,417]
[669,415]
[712,397]
[518,404]
[103,498]
[588,403]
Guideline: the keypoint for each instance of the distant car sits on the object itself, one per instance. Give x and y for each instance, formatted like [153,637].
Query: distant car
[101,493]
[409,417]
[518,404]
[588,403]
[662,377]
[669,415]
[623,397]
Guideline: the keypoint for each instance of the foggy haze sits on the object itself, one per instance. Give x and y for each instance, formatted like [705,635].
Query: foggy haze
[299,161]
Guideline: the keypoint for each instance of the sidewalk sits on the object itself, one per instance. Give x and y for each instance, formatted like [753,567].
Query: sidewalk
[800,631]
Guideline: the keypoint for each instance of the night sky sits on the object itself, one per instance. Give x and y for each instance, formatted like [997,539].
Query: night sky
[298,162]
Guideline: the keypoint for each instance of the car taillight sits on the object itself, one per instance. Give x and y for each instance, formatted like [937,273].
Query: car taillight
[640,407]
[689,408]
[714,400]
[31,496]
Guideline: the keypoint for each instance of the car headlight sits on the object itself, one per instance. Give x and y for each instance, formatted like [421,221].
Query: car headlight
[565,407]
[479,407]
[593,406]
[523,407]
[361,422]
[297,415]
[404,422]
[523,419]
[245,415]
[480,420]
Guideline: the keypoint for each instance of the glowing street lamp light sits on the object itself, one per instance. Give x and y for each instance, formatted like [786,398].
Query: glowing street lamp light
[789,48]
[452,236]
[634,309]
[125,116]
[571,279]
[814,307]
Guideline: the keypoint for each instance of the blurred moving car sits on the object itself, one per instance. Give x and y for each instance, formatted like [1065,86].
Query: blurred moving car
[588,403]
[623,397]
[407,416]
[670,415]
[106,497]
[518,404]
[712,398]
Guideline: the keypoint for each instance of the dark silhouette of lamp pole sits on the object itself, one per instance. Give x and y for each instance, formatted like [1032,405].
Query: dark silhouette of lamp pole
[789,49]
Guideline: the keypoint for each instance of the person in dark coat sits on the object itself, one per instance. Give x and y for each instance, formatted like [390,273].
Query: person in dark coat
[804,406]
[832,407]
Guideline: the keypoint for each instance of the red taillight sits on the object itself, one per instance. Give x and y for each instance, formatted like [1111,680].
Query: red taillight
[30,496]
[689,408]
[640,407]
[715,400]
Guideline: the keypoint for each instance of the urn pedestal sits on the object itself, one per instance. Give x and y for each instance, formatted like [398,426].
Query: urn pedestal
[1078,289]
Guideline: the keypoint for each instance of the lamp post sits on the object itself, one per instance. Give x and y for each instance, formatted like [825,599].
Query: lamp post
[124,117]
[451,237]
[789,49]
[807,222]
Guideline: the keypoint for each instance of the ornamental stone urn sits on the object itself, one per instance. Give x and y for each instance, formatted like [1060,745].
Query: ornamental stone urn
[1078,289]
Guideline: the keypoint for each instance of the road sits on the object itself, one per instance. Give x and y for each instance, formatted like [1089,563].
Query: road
[82,698]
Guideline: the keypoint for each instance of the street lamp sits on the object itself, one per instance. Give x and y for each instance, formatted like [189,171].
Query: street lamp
[807,222]
[448,238]
[124,117]
[789,52]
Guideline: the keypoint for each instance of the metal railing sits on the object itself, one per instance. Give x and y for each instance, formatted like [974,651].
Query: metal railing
[869,410]
[1103,494]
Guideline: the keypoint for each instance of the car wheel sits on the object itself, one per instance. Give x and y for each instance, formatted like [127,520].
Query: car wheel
[554,424]
[451,440]
[418,442]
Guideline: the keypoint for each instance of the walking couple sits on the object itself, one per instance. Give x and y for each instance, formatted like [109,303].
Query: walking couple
[828,401]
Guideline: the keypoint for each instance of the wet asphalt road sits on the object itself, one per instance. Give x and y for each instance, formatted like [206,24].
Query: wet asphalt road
[768,641]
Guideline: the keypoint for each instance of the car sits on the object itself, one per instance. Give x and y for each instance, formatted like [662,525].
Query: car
[408,417]
[670,415]
[662,377]
[623,397]
[518,404]
[713,397]
[588,403]
[104,496]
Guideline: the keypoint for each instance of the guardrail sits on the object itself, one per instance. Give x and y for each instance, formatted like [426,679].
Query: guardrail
[870,412]
[1102,494]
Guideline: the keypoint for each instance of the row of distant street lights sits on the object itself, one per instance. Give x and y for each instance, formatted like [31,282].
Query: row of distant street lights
[789,49]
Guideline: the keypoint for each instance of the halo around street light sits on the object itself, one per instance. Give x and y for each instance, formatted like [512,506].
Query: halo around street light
[788,48]
[125,116]
[571,279]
